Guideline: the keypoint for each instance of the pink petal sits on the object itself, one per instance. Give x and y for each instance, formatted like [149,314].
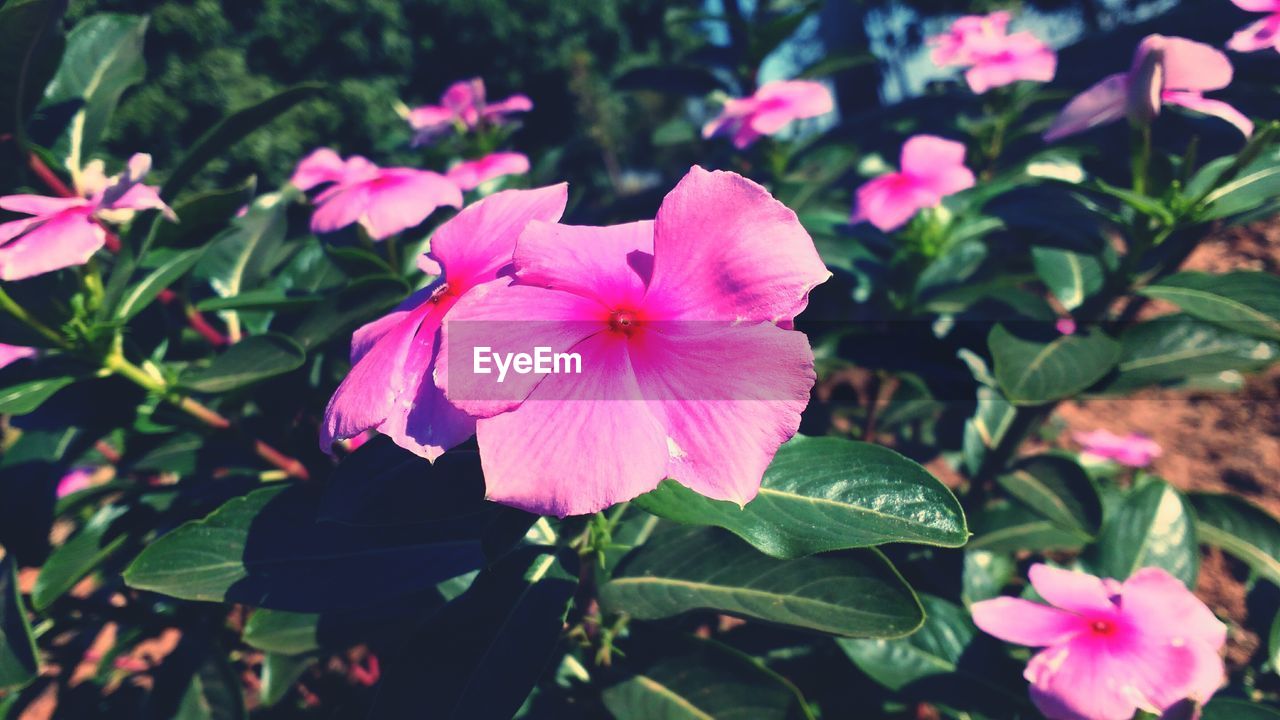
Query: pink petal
[15,228]
[402,198]
[479,241]
[1190,65]
[40,204]
[1034,62]
[1267,6]
[783,101]
[1080,681]
[508,319]
[1163,607]
[1134,449]
[610,264]
[581,443]
[67,239]
[421,420]
[143,197]
[1074,591]
[338,207]
[74,481]
[727,396]
[725,249]
[1216,108]
[367,335]
[472,174]
[10,354]
[1023,622]
[1101,104]
[937,164]
[321,166]
[889,201]
[464,96]
[514,104]
[1259,35]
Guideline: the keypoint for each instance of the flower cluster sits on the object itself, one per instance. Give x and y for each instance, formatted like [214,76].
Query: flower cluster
[993,57]
[770,109]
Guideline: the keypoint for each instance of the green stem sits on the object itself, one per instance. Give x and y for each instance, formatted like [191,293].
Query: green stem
[20,313]
[1140,157]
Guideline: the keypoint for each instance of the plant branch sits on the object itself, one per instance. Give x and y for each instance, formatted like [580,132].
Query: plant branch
[20,313]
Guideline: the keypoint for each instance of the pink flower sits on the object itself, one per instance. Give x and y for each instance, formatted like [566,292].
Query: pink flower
[685,372]
[1110,648]
[1065,326]
[64,232]
[771,108]
[1260,35]
[1165,71]
[463,106]
[471,174]
[74,481]
[1134,449]
[389,388]
[994,58]
[932,168]
[10,354]
[384,201]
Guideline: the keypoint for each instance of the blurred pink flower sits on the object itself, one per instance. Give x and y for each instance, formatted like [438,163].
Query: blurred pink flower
[775,105]
[1111,648]
[10,354]
[994,58]
[389,388]
[1066,326]
[932,168]
[685,371]
[384,201]
[471,174]
[1260,35]
[1134,449]
[74,481]
[66,231]
[1165,71]
[462,106]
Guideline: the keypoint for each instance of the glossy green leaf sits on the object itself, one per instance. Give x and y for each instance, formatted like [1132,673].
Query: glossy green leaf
[279,673]
[1255,185]
[24,397]
[18,663]
[823,494]
[1034,367]
[484,652]
[79,555]
[1176,347]
[985,574]
[855,593]
[139,296]
[231,130]
[103,58]
[1008,528]
[990,423]
[1244,301]
[1072,277]
[267,549]
[201,216]
[1154,527]
[280,632]
[30,46]
[1224,708]
[253,359]
[1056,487]
[1242,529]
[242,257]
[355,304]
[688,678]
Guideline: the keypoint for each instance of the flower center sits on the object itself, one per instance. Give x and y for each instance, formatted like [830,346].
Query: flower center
[623,321]
[439,293]
[1103,627]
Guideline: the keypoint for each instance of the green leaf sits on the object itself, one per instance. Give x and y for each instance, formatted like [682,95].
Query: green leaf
[30,45]
[946,661]
[1245,301]
[1176,347]
[836,63]
[25,397]
[231,130]
[1235,709]
[212,694]
[1034,368]
[96,541]
[1072,277]
[1254,186]
[484,652]
[280,632]
[265,299]
[103,59]
[687,678]
[1153,528]
[18,664]
[987,428]
[202,216]
[358,302]
[1007,528]
[823,494]
[253,359]
[1240,528]
[242,257]
[138,297]
[1057,488]
[267,549]
[279,674]
[855,593]
[985,574]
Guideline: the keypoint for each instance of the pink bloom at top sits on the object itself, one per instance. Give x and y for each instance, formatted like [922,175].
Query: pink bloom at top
[932,168]
[1165,71]
[1134,449]
[1111,648]
[74,481]
[993,57]
[775,105]
[66,231]
[1260,35]
[384,201]
[10,354]
[389,388]
[471,174]
[463,106]
[685,372]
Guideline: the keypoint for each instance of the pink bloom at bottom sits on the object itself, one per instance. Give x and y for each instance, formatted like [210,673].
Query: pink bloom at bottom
[471,174]
[932,168]
[1263,34]
[10,354]
[1134,449]
[1110,648]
